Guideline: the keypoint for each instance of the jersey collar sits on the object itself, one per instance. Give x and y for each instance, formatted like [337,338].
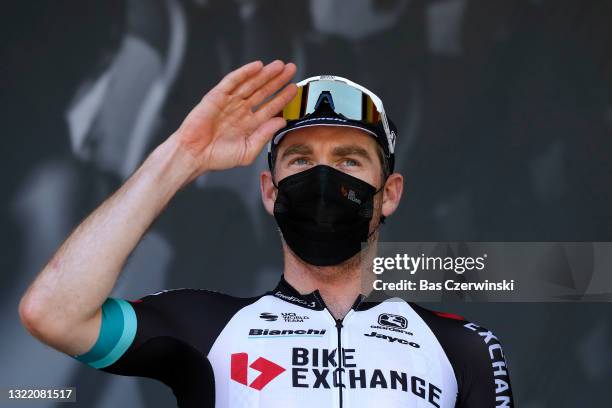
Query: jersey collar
[314,301]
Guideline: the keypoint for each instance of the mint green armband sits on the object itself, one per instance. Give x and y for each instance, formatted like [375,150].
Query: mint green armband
[117,332]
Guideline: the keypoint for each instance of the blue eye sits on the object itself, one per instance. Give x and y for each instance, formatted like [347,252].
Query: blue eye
[350,163]
[300,161]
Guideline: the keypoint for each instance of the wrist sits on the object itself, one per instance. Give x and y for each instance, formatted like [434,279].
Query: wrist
[177,160]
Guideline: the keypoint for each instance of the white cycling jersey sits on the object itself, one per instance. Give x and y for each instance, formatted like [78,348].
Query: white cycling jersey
[285,349]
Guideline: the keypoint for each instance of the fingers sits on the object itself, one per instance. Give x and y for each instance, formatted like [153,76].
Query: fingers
[238,76]
[246,89]
[273,85]
[261,136]
[276,104]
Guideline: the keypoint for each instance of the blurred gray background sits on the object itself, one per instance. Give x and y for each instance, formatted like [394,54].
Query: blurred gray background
[505,117]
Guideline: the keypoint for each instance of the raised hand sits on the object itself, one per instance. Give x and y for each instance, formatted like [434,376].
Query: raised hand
[231,124]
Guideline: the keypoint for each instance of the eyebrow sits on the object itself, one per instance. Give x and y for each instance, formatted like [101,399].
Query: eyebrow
[349,150]
[338,151]
[301,149]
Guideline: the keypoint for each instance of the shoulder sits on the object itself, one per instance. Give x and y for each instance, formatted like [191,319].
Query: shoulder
[183,299]
[465,342]
[458,328]
[163,322]
[181,312]
[476,354]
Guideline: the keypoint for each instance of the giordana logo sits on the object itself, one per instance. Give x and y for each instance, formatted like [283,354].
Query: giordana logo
[271,317]
[349,194]
[391,320]
[240,370]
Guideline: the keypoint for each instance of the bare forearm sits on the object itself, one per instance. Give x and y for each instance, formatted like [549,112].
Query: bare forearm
[80,276]
[225,129]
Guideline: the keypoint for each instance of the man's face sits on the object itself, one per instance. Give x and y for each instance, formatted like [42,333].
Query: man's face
[346,149]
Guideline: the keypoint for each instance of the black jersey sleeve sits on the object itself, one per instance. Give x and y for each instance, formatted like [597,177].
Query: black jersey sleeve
[477,357]
[165,336]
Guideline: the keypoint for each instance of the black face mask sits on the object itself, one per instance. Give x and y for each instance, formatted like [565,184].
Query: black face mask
[324,214]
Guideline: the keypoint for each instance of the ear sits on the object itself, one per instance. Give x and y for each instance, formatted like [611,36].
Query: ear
[268,191]
[392,193]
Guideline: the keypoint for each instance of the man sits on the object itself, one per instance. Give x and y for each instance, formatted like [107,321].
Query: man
[313,340]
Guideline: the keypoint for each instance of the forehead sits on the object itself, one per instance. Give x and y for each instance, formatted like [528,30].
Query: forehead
[328,136]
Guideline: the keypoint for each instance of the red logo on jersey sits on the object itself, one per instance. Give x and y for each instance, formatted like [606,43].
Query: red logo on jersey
[268,370]
[450,315]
